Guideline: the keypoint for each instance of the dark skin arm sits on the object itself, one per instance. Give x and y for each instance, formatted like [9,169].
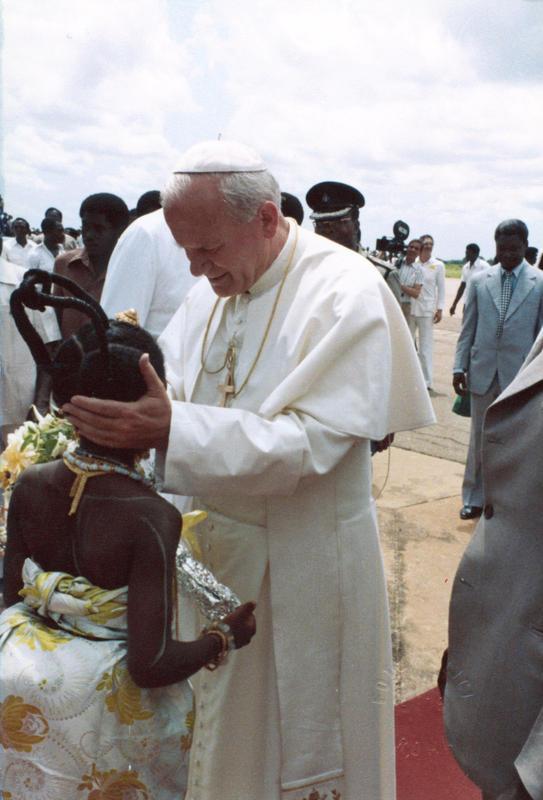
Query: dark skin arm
[123,535]
[456,300]
[154,658]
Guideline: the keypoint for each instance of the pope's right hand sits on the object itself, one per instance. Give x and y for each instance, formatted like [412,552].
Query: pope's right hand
[139,425]
[242,623]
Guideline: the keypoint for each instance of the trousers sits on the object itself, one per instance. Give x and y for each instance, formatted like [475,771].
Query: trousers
[425,343]
[472,487]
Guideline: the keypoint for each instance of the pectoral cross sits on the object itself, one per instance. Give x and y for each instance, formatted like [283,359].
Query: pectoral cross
[228,388]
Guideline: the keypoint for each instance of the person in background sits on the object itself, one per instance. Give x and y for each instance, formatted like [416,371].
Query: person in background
[149,272]
[502,318]
[427,308]
[68,242]
[531,255]
[19,248]
[5,220]
[148,202]
[18,385]
[473,264]
[335,214]
[291,207]
[410,277]
[104,217]
[44,254]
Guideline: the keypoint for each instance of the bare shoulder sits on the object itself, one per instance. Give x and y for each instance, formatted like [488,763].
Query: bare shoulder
[38,477]
[136,504]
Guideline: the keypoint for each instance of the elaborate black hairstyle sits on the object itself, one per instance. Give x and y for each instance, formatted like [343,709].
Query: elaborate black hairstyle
[101,359]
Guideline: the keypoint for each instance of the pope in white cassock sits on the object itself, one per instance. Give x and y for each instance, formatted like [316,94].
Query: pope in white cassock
[282,366]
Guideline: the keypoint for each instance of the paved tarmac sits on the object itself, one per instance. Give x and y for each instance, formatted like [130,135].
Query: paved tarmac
[422,535]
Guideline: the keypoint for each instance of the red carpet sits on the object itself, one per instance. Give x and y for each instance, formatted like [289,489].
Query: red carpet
[425,768]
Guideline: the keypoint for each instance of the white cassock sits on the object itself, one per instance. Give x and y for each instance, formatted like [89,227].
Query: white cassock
[285,474]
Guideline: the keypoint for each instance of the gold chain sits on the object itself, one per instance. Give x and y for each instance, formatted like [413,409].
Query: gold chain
[203,354]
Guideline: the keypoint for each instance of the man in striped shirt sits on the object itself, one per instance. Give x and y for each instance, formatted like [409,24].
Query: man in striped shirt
[410,277]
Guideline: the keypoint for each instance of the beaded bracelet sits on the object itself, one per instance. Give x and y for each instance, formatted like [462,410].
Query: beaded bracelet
[217,660]
[227,630]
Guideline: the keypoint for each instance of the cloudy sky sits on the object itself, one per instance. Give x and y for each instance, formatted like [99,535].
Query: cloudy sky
[432,108]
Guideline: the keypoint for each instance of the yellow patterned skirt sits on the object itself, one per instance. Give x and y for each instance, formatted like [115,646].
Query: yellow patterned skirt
[72,722]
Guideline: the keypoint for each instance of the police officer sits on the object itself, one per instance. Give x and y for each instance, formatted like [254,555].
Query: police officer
[335,209]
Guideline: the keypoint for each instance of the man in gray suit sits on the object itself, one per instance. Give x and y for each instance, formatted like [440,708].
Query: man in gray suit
[502,317]
[494,689]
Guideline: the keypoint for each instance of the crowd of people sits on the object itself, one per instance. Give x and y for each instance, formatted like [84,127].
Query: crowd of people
[285,358]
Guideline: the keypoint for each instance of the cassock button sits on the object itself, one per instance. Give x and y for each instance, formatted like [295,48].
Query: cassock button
[489,511]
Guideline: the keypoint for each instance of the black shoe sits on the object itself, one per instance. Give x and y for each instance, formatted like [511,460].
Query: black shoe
[470,512]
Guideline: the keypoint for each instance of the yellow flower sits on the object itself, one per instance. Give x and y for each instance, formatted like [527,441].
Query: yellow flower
[186,739]
[14,461]
[21,725]
[113,785]
[31,633]
[124,697]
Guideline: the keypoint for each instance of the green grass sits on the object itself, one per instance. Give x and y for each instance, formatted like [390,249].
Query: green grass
[453,269]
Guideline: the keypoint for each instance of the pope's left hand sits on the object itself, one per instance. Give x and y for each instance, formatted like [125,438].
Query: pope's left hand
[438,315]
[139,425]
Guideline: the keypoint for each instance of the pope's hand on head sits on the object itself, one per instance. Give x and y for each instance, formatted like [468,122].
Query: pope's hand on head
[138,425]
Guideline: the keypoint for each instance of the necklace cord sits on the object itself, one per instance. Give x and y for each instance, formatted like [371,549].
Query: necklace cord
[229,352]
[87,466]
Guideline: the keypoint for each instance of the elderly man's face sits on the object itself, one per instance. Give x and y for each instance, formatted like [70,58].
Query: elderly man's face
[232,255]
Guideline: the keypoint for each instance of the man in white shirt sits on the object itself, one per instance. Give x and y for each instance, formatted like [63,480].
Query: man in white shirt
[472,266]
[68,242]
[18,249]
[284,361]
[427,308]
[147,271]
[44,254]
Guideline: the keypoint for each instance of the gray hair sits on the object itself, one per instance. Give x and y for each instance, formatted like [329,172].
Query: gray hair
[243,192]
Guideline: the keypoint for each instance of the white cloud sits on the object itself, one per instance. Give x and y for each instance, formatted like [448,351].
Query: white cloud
[389,98]
[89,93]
[429,108]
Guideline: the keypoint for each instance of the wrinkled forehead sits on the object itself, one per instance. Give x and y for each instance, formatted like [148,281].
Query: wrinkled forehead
[510,240]
[199,218]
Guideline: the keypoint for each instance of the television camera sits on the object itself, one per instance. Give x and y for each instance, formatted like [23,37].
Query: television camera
[395,245]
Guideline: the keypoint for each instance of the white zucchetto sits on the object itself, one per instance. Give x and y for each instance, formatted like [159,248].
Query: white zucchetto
[220,156]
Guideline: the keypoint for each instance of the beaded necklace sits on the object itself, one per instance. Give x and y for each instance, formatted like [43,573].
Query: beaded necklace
[85,466]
